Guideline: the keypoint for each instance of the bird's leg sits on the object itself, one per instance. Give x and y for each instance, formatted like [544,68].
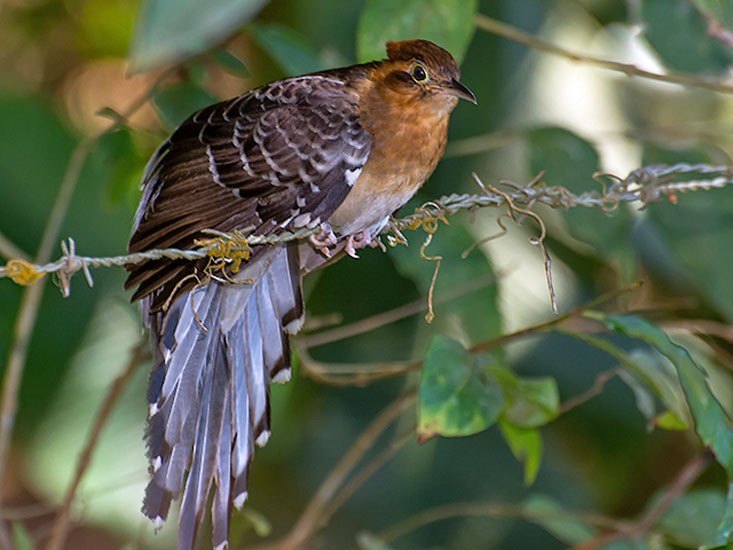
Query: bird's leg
[324,239]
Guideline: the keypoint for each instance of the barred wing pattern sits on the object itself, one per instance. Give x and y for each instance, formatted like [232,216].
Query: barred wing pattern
[281,157]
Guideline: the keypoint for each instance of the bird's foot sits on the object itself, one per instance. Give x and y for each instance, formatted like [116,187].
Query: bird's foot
[324,239]
[360,240]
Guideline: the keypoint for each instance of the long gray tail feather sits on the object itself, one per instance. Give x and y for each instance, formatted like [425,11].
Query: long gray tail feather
[217,349]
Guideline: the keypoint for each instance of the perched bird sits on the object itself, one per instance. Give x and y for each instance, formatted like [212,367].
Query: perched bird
[338,151]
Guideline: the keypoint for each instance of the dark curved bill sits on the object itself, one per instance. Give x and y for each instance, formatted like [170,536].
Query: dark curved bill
[459,90]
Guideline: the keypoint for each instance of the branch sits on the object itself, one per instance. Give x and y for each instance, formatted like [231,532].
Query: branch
[685,478]
[61,526]
[314,516]
[31,300]
[499,28]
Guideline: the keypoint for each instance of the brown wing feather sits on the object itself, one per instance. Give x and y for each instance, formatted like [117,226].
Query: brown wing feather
[279,157]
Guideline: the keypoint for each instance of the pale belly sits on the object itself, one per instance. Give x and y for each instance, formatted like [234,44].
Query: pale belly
[369,204]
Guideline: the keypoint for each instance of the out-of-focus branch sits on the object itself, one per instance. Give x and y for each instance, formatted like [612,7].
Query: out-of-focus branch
[685,478]
[31,300]
[499,28]
[61,526]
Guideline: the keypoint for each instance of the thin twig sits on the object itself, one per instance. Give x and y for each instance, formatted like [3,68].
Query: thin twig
[367,472]
[546,326]
[391,316]
[310,521]
[596,389]
[31,301]
[492,510]
[685,478]
[61,526]
[9,250]
[499,28]
[30,304]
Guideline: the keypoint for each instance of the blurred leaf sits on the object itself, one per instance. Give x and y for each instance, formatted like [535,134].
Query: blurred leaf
[288,48]
[652,371]
[568,531]
[118,163]
[457,396]
[471,318]
[720,11]
[21,538]
[570,161]
[642,395]
[689,47]
[526,446]
[711,422]
[670,421]
[171,30]
[260,524]
[369,541]
[695,230]
[448,23]
[529,403]
[724,532]
[231,63]
[176,103]
[692,519]
[105,28]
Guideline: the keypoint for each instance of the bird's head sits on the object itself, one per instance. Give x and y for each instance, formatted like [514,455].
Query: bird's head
[420,71]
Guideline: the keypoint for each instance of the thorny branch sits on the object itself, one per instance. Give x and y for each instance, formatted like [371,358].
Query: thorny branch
[643,186]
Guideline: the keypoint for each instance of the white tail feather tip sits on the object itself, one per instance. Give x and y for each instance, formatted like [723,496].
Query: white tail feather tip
[157,462]
[158,523]
[283,376]
[263,438]
[239,500]
[152,409]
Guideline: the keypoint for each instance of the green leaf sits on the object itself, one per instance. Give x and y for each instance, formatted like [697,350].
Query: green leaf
[693,233]
[526,446]
[21,538]
[692,519]
[690,47]
[448,23]
[724,532]
[231,63]
[652,371]
[457,397]
[288,48]
[260,524]
[169,31]
[529,403]
[719,11]
[568,531]
[711,422]
[176,103]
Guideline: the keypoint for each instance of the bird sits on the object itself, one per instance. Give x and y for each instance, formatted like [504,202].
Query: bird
[337,152]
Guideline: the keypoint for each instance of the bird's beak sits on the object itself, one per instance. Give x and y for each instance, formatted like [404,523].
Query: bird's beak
[460,91]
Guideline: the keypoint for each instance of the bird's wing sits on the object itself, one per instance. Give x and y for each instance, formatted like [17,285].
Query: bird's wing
[281,157]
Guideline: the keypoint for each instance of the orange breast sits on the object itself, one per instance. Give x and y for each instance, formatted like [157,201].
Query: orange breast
[408,140]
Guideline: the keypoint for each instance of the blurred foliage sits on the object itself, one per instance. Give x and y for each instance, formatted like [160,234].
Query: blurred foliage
[562,429]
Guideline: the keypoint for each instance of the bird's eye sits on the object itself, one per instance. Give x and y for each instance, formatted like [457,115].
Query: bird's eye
[419,74]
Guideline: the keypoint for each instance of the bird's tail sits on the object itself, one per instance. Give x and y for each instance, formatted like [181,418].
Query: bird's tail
[217,349]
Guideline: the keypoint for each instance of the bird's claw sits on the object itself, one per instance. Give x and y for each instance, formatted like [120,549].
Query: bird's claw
[324,239]
[359,240]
